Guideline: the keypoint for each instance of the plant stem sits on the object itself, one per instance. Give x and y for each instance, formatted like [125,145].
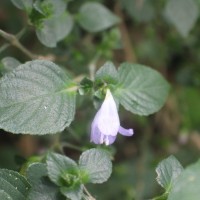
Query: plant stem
[4,47]
[87,192]
[92,66]
[130,54]
[13,40]
[71,146]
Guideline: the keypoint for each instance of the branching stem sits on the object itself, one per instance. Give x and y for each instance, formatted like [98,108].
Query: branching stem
[13,40]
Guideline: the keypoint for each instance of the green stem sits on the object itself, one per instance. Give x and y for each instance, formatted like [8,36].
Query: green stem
[72,146]
[87,192]
[92,66]
[13,40]
[162,197]
[4,47]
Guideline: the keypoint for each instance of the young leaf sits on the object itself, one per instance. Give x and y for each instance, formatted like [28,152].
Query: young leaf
[37,97]
[96,164]
[58,166]
[94,17]
[107,73]
[42,187]
[54,29]
[141,90]
[168,170]
[54,7]
[23,4]
[187,185]
[85,86]
[13,185]
[182,14]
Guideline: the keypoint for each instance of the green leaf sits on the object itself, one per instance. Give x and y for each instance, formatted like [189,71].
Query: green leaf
[37,97]
[74,194]
[9,64]
[42,187]
[54,29]
[189,104]
[182,14]
[58,167]
[64,172]
[95,17]
[107,74]
[96,164]
[51,7]
[141,90]
[4,195]
[187,185]
[13,185]
[23,4]
[142,12]
[85,86]
[168,170]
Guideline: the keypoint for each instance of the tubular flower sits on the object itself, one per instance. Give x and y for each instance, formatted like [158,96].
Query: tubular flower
[106,124]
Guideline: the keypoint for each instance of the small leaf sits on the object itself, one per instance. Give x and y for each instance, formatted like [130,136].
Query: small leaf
[141,90]
[168,170]
[187,185]
[42,187]
[9,64]
[13,185]
[85,86]
[36,98]
[23,4]
[54,29]
[51,6]
[96,164]
[182,14]
[73,194]
[95,17]
[107,73]
[58,166]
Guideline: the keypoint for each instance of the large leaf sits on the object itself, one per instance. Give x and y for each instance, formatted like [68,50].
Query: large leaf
[4,195]
[182,14]
[42,187]
[187,185]
[141,89]
[97,165]
[95,17]
[36,98]
[54,29]
[168,170]
[13,185]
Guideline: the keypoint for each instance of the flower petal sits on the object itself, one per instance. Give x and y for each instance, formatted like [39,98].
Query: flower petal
[110,138]
[125,132]
[96,136]
[107,117]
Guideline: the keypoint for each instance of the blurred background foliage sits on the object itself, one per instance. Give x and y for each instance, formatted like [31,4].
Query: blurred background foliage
[161,34]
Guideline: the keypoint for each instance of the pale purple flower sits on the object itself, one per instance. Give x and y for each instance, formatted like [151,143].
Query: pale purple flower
[106,124]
